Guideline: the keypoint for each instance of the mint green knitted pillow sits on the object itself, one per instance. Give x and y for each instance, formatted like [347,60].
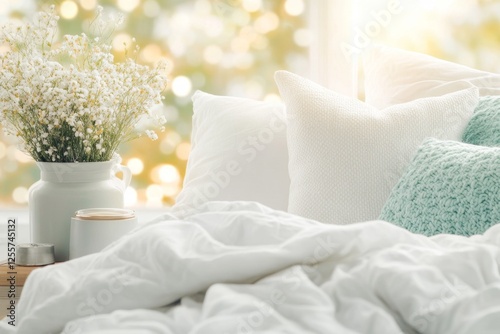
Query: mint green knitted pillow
[484,126]
[449,187]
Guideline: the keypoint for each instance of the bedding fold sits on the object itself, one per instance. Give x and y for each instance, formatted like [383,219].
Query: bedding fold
[239,267]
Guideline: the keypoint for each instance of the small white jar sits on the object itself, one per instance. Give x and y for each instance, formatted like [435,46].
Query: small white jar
[94,229]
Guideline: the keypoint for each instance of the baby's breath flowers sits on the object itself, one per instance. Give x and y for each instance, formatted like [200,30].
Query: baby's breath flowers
[68,101]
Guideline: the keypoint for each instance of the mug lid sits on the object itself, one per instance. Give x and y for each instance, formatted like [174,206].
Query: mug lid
[104,214]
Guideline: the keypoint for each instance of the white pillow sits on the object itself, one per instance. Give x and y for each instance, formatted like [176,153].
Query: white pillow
[346,156]
[394,76]
[238,152]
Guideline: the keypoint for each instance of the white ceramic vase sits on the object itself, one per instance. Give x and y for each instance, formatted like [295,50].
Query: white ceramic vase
[63,189]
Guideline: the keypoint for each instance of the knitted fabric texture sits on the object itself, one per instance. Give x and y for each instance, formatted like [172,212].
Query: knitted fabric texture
[345,156]
[484,126]
[449,187]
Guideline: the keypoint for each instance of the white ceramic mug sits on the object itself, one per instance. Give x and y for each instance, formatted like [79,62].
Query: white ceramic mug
[94,229]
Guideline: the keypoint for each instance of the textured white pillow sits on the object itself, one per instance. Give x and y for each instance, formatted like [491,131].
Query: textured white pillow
[238,152]
[346,156]
[394,76]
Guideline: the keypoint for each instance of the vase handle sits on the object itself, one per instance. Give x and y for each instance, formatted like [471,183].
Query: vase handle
[124,182]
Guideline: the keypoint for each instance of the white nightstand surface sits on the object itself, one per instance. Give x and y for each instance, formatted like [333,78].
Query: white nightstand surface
[23,233]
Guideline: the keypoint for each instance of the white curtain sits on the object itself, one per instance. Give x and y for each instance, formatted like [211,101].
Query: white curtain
[331,24]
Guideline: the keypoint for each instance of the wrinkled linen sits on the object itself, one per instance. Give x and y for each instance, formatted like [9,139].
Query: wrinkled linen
[239,267]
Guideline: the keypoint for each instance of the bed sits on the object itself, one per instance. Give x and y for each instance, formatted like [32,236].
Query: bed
[323,214]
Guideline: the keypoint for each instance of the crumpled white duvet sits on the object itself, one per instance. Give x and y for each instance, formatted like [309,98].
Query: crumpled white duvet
[240,267]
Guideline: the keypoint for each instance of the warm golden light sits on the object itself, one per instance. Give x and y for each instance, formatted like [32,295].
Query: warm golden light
[182,151]
[169,174]
[122,41]
[151,53]
[136,166]
[215,25]
[302,37]
[260,43]
[170,190]
[181,86]
[272,98]
[294,7]
[3,150]
[213,54]
[4,7]
[166,147]
[168,144]
[267,22]
[245,61]
[22,157]
[20,195]
[4,48]
[68,9]
[254,90]
[154,194]
[240,45]
[224,47]
[165,174]
[88,4]
[130,197]
[127,5]
[252,5]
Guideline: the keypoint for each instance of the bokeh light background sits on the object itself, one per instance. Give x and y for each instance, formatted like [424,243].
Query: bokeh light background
[223,47]
[233,47]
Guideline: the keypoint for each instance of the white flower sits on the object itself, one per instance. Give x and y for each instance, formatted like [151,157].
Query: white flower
[151,134]
[86,107]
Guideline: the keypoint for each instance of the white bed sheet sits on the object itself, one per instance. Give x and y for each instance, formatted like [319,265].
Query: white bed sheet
[239,267]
